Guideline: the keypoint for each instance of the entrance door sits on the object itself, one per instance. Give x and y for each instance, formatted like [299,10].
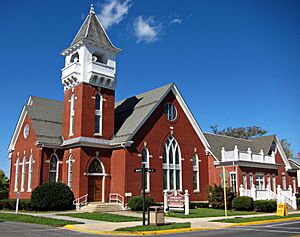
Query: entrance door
[95,189]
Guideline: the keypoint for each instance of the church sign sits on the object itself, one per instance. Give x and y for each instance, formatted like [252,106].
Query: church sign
[176,201]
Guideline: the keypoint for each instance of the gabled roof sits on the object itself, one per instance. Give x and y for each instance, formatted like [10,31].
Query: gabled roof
[295,163]
[92,30]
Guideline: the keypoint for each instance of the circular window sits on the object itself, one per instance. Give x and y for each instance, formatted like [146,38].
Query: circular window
[170,111]
[26,131]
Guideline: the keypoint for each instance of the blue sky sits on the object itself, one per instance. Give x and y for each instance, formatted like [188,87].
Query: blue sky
[236,63]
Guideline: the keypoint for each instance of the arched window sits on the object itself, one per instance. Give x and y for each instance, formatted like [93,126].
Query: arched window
[98,115]
[75,58]
[95,167]
[17,174]
[23,174]
[146,162]
[53,169]
[72,113]
[70,170]
[172,174]
[30,169]
[196,181]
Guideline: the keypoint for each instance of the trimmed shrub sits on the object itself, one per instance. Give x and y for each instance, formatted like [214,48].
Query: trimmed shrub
[243,203]
[216,197]
[53,196]
[265,205]
[3,194]
[298,203]
[194,205]
[10,204]
[136,203]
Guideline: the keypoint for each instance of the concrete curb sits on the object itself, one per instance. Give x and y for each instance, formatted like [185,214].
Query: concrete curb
[264,222]
[135,233]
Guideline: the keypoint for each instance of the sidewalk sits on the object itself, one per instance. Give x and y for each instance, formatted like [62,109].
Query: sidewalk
[102,227]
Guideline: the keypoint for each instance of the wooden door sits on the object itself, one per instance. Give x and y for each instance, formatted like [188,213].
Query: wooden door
[95,189]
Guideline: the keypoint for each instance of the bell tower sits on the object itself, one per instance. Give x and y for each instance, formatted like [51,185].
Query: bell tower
[89,80]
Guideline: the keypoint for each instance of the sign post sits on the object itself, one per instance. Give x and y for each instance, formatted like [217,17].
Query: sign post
[144,170]
[224,184]
[17,204]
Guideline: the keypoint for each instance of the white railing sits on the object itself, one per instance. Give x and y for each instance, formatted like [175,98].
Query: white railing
[281,196]
[71,70]
[81,202]
[237,155]
[101,69]
[117,199]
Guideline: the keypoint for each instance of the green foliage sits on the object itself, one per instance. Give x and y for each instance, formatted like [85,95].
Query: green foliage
[243,203]
[240,132]
[136,203]
[265,205]
[194,205]
[216,197]
[53,196]
[10,204]
[3,185]
[298,203]
[287,148]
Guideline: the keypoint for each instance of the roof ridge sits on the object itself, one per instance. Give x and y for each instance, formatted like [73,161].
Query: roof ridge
[238,138]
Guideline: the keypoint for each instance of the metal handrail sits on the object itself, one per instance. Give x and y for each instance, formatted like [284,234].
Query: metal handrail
[78,203]
[116,198]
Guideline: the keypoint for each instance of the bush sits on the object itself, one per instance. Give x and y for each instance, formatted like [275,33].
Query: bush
[3,194]
[136,203]
[243,203]
[10,204]
[194,205]
[298,203]
[216,197]
[265,205]
[53,196]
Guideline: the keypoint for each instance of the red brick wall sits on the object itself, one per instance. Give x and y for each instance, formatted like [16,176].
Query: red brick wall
[154,132]
[84,118]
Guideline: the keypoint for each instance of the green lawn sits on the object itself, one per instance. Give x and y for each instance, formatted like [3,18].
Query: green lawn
[152,227]
[35,220]
[259,218]
[101,216]
[207,212]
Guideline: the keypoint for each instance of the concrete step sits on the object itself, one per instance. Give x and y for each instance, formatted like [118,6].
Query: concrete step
[101,207]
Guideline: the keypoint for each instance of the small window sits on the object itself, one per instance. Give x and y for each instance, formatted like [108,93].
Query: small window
[170,111]
[196,183]
[53,169]
[98,114]
[17,174]
[95,167]
[145,161]
[75,58]
[70,170]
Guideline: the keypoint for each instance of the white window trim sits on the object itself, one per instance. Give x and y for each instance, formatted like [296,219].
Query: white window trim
[30,171]
[244,179]
[147,165]
[99,113]
[196,169]
[17,174]
[70,167]
[263,179]
[175,167]
[274,183]
[284,187]
[23,174]
[57,165]
[231,180]
[72,113]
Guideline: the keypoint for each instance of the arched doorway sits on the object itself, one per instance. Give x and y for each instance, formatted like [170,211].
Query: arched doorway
[96,181]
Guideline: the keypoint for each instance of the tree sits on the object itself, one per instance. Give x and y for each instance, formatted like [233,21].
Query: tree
[3,185]
[287,148]
[240,132]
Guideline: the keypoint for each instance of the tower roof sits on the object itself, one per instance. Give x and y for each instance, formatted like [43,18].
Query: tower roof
[92,30]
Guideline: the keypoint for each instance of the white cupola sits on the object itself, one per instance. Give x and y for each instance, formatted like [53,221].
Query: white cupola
[91,57]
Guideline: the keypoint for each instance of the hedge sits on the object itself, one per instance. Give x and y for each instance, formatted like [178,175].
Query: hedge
[53,196]
[243,203]
[265,205]
[194,205]
[10,204]
[136,203]
[298,203]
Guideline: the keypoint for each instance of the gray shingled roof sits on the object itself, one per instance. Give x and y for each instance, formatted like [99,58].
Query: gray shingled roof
[130,113]
[256,144]
[92,29]
[46,117]
[295,163]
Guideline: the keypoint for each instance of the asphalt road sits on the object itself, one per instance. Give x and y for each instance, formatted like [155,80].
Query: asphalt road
[291,228]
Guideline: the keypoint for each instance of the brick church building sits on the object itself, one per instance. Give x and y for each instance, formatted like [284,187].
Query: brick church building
[93,144]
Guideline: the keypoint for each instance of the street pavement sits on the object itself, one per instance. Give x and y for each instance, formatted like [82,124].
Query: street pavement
[290,228]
